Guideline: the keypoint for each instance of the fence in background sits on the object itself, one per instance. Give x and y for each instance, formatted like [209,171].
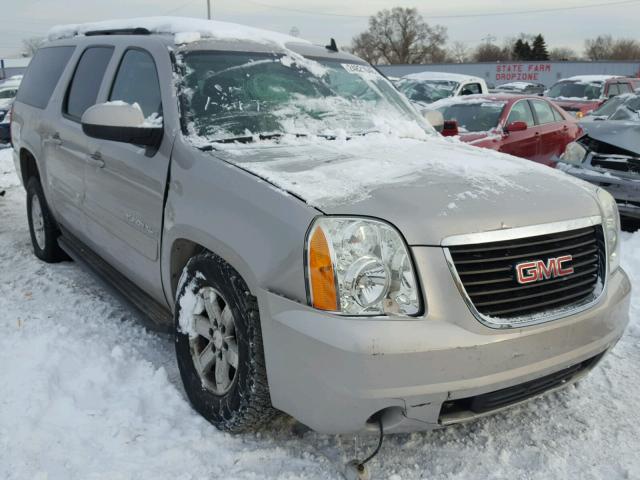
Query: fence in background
[502,72]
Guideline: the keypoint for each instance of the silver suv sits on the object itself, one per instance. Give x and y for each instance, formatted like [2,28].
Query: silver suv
[315,246]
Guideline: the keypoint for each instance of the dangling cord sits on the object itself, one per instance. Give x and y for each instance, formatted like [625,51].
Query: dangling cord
[375,452]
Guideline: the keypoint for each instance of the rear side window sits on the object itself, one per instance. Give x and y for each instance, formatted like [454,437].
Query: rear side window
[87,79]
[471,89]
[613,89]
[43,74]
[624,88]
[543,112]
[521,112]
[137,82]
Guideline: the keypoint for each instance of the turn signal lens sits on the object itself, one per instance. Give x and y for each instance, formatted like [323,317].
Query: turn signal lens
[579,114]
[322,276]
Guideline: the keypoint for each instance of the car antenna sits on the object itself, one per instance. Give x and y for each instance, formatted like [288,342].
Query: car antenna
[332,46]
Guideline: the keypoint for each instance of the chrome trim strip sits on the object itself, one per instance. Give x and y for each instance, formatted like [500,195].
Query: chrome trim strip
[498,235]
[520,232]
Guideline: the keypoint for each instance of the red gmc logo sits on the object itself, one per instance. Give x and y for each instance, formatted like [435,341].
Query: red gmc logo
[534,271]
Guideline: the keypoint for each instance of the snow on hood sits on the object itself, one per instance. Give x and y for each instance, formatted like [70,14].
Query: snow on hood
[619,133]
[429,189]
[328,173]
[185,30]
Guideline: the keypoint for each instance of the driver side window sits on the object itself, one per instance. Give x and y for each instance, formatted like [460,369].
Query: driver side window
[521,112]
[137,82]
[471,89]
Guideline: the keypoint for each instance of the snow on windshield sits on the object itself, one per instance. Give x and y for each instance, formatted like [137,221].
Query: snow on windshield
[577,90]
[238,96]
[427,91]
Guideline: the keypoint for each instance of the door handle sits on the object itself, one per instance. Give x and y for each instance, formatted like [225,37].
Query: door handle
[55,139]
[95,159]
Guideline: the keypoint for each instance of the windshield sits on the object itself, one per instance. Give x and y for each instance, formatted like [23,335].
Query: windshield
[608,107]
[427,91]
[229,95]
[475,116]
[576,90]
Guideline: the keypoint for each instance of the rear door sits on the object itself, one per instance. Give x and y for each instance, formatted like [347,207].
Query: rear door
[550,130]
[125,182]
[65,144]
[522,144]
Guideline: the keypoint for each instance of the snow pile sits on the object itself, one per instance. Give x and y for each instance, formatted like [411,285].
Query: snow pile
[185,30]
[88,394]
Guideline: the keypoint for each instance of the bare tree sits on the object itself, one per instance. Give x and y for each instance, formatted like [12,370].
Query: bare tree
[563,54]
[490,52]
[401,35]
[459,52]
[625,49]
[31,45]
[598,48]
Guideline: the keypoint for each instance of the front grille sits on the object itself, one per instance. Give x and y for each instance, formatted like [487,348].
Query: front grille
[487,272]
[617,163]
[508,396]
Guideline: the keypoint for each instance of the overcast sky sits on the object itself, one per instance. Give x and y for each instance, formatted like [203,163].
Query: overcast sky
[466,20]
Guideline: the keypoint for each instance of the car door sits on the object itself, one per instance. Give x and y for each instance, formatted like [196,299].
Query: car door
[550,131]
[65,143]
[126,183]
[523,144]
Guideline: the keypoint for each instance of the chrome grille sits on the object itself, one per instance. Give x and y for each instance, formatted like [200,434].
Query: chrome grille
[486,271]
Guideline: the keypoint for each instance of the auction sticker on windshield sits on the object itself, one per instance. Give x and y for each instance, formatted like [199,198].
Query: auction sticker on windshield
[359,69]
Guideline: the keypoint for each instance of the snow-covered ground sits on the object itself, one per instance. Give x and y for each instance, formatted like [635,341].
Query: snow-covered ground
[86,393]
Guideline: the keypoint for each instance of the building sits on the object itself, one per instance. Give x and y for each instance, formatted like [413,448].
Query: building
[496,73]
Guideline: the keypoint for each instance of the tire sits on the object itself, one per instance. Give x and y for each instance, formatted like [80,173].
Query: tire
[244,404]
[42,226]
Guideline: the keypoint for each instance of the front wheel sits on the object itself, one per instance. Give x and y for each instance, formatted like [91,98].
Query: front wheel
[219,346]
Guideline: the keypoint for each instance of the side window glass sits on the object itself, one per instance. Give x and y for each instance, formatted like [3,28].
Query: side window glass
[613,89]
[471,89]
[543,112]
[87,79]
[137,82]
[557,115]
[43,74]
[521,112]
[624,88]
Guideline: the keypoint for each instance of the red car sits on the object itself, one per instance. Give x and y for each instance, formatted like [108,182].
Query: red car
[530,127]
[581,94]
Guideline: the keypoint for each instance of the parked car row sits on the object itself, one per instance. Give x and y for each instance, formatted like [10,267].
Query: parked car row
[8,92]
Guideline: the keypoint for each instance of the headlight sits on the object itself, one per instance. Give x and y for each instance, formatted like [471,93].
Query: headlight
[359,266]
[574,153]
[611,225]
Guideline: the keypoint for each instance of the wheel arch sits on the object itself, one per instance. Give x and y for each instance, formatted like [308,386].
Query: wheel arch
[28,166]
[183,247]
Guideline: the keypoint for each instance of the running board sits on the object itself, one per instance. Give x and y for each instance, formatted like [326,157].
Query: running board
[155,316]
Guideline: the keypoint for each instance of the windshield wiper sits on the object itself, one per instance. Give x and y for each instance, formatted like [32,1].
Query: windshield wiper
[262,136]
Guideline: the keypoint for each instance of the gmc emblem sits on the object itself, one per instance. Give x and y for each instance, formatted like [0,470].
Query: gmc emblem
[534,271]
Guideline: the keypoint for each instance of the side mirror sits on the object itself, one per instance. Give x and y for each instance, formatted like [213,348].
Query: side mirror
[435,118]
[120,122]
[450,128]
[518,126]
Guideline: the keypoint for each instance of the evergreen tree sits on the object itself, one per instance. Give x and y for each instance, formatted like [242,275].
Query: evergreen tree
[539,50]
[521,50]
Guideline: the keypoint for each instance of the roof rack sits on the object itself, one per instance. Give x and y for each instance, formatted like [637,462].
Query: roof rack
[119,31]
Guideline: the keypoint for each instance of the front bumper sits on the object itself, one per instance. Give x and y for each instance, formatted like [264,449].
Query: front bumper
[333,373]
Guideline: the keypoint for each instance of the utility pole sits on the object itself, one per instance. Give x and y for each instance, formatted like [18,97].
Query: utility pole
[209,9]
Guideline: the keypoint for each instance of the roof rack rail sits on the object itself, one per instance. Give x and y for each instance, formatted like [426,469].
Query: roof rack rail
[119,31]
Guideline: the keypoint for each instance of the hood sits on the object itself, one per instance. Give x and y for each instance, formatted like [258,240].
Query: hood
[576,105]
[619,133]
[429,189]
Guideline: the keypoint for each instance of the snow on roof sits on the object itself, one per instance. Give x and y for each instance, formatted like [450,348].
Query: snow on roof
[590,78]
[453,77]
[184,29]
[520,85]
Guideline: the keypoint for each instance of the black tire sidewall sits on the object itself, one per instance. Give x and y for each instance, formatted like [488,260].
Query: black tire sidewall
[224,411]
[51,251]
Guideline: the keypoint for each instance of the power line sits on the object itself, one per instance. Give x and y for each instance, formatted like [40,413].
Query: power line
[465,15]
